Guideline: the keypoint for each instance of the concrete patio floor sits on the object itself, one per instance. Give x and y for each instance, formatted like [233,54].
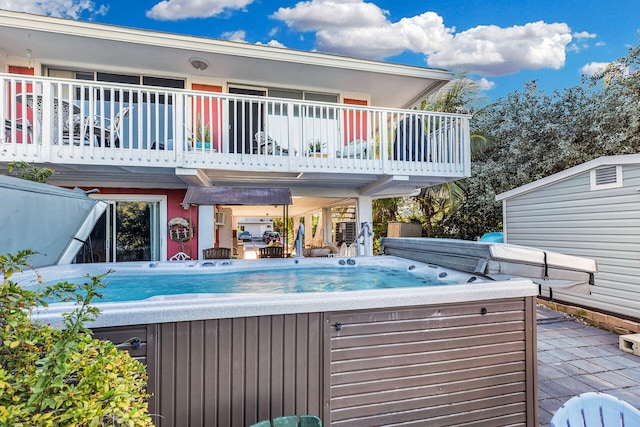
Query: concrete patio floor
[574,358]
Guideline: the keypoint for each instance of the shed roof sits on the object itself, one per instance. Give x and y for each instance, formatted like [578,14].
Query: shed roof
[230,196]
[593,164]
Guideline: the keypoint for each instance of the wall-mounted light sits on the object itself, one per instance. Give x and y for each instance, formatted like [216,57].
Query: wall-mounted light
[199,64]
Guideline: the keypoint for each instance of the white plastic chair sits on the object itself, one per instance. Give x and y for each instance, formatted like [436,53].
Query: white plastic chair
[596,410]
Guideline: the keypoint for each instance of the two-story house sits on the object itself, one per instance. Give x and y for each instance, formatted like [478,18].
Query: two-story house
[149,118]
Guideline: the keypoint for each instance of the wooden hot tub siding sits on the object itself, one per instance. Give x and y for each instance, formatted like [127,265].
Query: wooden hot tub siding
[426,365]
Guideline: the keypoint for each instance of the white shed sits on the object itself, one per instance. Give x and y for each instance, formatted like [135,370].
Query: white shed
[591,210]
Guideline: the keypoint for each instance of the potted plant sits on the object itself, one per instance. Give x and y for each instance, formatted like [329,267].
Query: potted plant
[201,135]
[315,148]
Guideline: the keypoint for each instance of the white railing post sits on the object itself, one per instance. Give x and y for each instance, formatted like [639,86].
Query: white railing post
[383,130]
[179,141]
[47,119]
[465,140]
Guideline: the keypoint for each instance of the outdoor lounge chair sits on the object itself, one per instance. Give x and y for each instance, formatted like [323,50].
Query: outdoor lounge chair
[216,253]
[264,144]
[291,421]
[596,410]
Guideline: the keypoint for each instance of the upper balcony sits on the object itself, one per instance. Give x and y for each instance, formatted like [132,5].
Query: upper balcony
[172,136]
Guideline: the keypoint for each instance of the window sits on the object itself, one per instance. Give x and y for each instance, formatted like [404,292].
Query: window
[606,177]
[152,110]
[131,229]
[132,79]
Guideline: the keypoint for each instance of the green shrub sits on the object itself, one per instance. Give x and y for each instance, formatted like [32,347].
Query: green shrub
[62,377]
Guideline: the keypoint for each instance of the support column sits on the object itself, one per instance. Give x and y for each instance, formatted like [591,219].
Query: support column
[364,212]
[206,230]
[327,226]
[308,230]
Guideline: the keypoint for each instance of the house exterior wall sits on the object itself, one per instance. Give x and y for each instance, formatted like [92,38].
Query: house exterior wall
[568,217]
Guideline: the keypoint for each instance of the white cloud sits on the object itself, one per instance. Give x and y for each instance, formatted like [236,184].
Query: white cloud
[173,10]
[272,43]
[358,28]
[235,36]
[593,68]
[485,84]
[494,51]
[324,14]
[584,35]
[72,9]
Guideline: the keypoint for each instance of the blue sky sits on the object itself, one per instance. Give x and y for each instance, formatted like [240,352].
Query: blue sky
[499,43]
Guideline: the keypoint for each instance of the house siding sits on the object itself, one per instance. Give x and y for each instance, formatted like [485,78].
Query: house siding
[567,216]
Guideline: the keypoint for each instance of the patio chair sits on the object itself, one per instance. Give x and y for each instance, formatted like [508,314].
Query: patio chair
[291,421]
[216,253]
[62,110]
[356,149]
[272,252]
[596,410]
[264,144]
[410,143]
[20,126]
[104,128]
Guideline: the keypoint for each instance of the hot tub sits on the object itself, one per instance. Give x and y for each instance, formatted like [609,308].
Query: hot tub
[423,355]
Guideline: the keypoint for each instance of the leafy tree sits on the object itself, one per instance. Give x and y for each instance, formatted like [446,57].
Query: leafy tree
[440,201]
[62,377]
[535,135]
[29,172]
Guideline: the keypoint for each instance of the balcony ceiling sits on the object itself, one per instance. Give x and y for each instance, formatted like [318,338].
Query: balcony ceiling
[68,43]
[310,191]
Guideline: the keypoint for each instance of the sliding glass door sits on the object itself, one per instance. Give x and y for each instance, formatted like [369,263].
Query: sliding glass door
[129,230]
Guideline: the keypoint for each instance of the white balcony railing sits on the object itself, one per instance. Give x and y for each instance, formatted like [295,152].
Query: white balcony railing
[79,122]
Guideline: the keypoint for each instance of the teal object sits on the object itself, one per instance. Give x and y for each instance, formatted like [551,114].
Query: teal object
[596,409]
[291,421]
[496,237]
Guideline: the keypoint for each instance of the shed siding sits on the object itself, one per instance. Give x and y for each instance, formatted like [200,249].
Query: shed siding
[568,217]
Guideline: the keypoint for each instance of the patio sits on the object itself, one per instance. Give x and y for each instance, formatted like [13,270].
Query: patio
[574,358]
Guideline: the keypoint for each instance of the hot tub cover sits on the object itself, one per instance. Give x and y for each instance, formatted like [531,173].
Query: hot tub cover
[50,220]
[499,261]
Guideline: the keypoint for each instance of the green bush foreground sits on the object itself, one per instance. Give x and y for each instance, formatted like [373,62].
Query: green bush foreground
[63,377]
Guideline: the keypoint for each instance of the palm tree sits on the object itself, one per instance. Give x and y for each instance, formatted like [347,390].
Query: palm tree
[457,96]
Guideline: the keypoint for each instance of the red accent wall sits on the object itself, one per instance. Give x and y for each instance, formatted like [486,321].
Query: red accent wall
[18,114]
[208,110]
[174,208]
[355,122]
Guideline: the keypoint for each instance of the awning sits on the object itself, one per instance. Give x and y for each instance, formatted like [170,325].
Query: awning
[230,196]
